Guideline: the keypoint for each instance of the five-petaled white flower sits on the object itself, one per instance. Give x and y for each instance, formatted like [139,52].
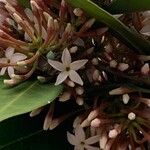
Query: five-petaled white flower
[10,57]
[68,68]
[80,142]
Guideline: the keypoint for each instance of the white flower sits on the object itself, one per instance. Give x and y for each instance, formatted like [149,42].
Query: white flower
[68,68]
[79,140]
[10,57]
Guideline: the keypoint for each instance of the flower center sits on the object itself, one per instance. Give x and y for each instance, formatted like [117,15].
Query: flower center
[67,68]
[82,143]
[8,60]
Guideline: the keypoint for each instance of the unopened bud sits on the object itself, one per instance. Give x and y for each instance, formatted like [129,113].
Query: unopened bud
[93,114]
[95,123]
[85,123]
[96,75]
[34,5]
[50,23]
[17,18]
[95,61]
[55,123]
[68,28]
[41,79]
[10,82]
[56,24]
[78,12]
[46,15]
[80,101]
[113,64]
[123,66]
[125,98]
[65,96]
[63,3]
[120,91]
[73,49]
[79,90]
[113,133]
[90,22]
[10,8]
[35,112]
[71,83]
[131,116]
[90,50]
[145,69]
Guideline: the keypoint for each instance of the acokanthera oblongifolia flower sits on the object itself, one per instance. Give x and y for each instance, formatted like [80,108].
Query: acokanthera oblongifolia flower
[68,68]
[10,58]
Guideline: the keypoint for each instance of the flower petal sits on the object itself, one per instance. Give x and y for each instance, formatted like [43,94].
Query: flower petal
[92,140]
[76,65]
[79,147]
[74,76]
[10,71]
[61,77]
[79,133]
[72,139]
[56,65]
[3,70]
[9,52]
[66,57]
[17,57]
[3,60]
[91,147]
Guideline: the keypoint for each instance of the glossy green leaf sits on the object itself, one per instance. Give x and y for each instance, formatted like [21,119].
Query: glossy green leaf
[25,133]
[25,97]
[124,6]
[126,34]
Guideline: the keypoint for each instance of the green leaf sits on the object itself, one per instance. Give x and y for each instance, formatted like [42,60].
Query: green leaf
[25,133]
[126,34]
[124,6]
[25,97]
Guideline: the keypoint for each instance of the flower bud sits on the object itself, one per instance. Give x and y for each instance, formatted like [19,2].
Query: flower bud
[79,90]
[122,67]
[113,64]
[131,116]
[80,101]
[65,96]
[125,98]
[93,114]
[95,123]
[113,133]
[145,69]
[73,49]
[78,12]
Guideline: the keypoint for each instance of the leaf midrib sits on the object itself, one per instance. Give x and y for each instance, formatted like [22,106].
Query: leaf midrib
[15,99]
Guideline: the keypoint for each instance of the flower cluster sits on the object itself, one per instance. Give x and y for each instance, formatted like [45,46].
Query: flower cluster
[105,82]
